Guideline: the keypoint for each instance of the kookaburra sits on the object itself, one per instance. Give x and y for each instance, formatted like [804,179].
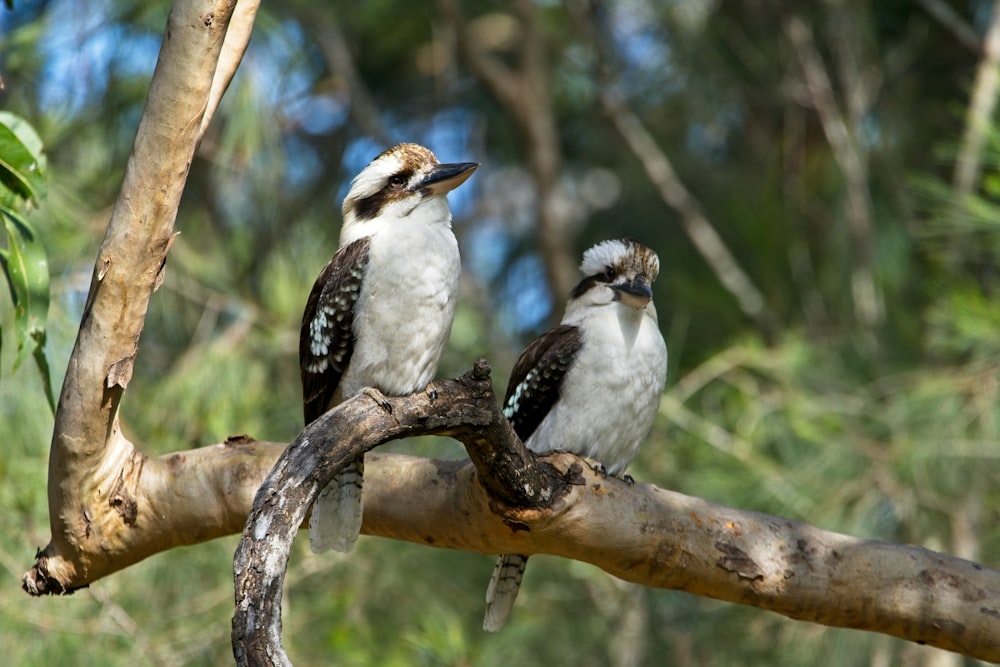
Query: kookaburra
[381,310]
[592,385]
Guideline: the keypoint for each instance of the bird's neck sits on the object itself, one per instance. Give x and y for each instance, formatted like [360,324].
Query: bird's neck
[431,214]
[613,319]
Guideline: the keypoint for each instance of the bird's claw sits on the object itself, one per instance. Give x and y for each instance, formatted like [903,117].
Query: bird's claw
[432,394]
[379,398]
[601,471]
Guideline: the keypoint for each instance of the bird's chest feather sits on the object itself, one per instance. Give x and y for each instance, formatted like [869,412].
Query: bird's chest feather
[610,395]
[404,312]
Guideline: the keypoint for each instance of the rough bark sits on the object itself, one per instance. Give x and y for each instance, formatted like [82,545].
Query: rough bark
[560,506]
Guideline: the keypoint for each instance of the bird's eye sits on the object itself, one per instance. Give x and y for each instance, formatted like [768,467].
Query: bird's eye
[397,180]
[610,274]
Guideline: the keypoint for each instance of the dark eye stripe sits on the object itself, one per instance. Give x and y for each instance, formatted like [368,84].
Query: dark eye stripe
[585,284]
[370,206]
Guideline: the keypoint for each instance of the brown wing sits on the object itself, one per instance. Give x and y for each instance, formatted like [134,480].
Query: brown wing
[537,378]
[326,339]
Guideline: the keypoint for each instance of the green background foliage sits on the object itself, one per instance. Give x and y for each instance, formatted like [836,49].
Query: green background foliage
[885,429]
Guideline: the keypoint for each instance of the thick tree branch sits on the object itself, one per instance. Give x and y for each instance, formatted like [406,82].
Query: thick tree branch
[562,507]
[89,456]
[465,408]
[559,506]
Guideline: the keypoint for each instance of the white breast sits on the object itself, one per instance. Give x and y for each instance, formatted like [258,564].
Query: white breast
[611,393]
[407,303]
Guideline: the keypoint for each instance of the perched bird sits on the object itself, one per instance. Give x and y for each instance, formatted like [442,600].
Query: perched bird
[592,385]
[381,310]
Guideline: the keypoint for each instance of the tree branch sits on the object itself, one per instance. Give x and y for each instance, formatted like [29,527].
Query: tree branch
[968,164]
[465,408]
[964,33]
[698,228]
[556,506]
[89,455]
[333,43]
[233,47]
[561,507]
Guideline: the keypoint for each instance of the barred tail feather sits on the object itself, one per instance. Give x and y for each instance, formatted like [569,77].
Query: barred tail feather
[502,591]
[336,515]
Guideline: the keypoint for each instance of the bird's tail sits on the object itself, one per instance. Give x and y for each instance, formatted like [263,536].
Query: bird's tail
[336,515]
[502,591]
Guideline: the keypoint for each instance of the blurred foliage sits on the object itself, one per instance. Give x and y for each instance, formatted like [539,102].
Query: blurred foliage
[23,260]
[888,431]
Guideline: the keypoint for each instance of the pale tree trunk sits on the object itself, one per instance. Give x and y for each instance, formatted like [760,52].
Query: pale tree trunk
[111,505]
[97,477]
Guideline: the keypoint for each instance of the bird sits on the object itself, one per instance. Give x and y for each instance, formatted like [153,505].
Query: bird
[590,386]
[380,312]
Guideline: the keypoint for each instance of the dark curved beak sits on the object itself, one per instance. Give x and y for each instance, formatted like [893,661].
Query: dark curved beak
[445,177]
[636,293]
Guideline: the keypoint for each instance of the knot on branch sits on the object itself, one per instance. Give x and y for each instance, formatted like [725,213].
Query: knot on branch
[480,370]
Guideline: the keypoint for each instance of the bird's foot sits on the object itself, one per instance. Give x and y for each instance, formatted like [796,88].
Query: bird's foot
[379,398]
[599,468]
[601,471]
[432,393]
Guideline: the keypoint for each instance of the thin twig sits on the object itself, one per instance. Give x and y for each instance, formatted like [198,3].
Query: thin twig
[982,104]
[524,92]
[852,159]
[661,173]
[333,43]
[951,20]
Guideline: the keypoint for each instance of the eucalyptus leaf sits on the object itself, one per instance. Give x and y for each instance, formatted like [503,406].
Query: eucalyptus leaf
[22,162]
[27,270]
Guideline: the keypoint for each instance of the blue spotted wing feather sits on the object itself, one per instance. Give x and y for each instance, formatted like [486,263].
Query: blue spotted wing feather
[326,342]
[537,378]
[326,339]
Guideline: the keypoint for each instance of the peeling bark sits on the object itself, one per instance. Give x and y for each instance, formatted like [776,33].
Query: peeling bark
[88,451]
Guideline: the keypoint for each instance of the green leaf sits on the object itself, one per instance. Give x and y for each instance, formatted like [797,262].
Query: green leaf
[27,271]
[22,162]
[42,363]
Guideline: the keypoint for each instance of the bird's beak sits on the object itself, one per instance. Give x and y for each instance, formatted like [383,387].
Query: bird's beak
[444,178]
[636,293]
